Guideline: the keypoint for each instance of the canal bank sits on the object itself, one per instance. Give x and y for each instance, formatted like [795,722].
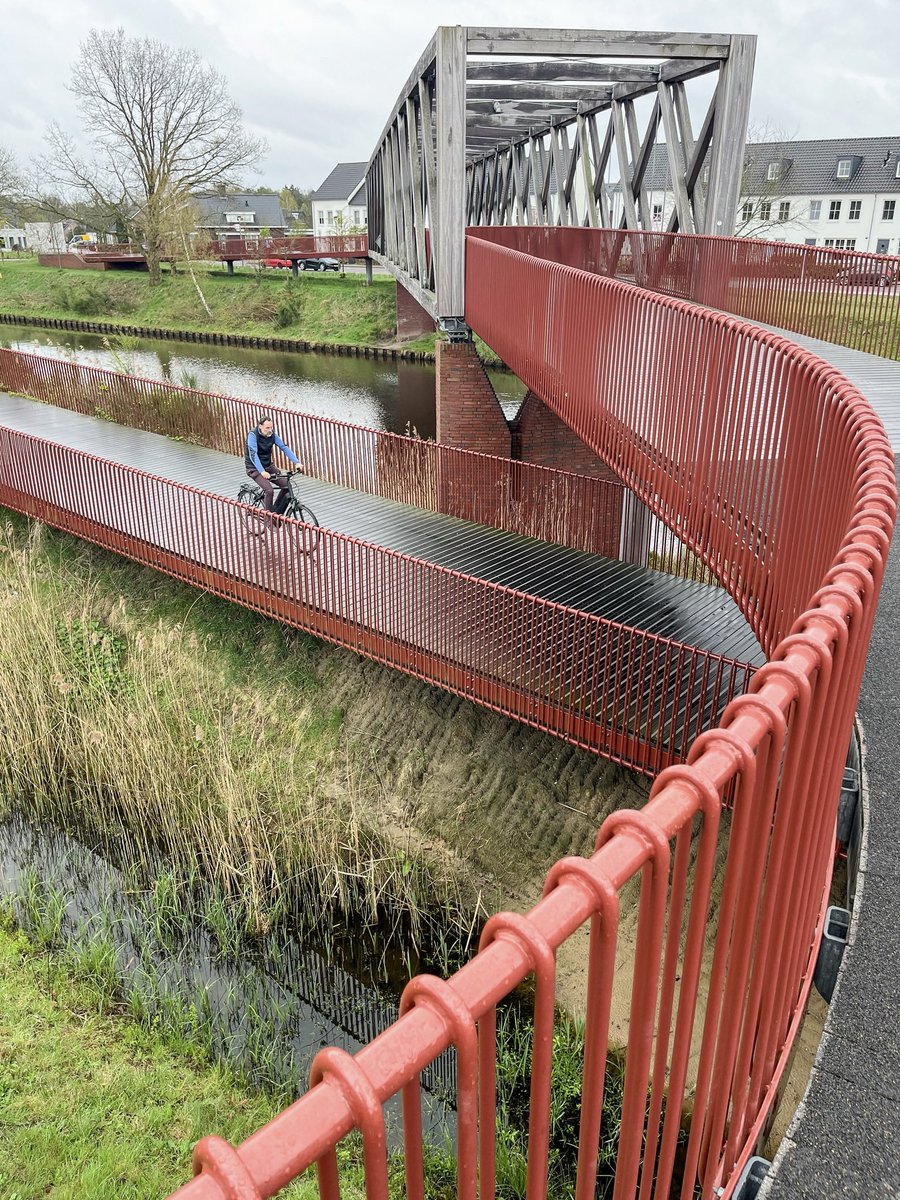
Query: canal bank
[255,303]
[238,340]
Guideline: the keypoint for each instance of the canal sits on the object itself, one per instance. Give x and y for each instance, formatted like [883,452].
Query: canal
[395,396]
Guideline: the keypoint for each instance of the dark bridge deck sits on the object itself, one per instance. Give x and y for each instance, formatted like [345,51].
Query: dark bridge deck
[684,611]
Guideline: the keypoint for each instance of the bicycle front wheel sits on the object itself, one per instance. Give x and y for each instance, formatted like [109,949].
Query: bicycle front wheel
[307,536]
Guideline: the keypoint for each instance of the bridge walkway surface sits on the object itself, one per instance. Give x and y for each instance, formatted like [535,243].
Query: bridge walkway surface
[877,378]
[692,613]
[367,589]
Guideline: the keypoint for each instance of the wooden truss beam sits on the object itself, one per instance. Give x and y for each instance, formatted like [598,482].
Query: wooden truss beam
[593,43]
[547,137]
[573,70]
[563,93]
[547,108]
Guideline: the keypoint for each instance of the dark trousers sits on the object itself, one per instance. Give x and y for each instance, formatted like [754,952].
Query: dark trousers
[272,505]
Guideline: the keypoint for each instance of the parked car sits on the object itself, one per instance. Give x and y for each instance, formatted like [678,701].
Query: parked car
[319,264]
[276,262]
[873,277]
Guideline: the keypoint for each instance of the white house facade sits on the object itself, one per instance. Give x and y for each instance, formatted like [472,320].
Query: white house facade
[13,237]
[339,205]
[842,193]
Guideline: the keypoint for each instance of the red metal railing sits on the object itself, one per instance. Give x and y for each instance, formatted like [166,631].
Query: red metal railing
[847,297]
[555,506]
[632,696]
[778,476]
[345,245]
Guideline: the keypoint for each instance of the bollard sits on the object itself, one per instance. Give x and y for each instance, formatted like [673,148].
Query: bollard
[750,1179]
[831,951]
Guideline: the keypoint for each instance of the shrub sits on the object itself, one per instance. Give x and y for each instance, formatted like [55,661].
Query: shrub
[85,299]
[290,306]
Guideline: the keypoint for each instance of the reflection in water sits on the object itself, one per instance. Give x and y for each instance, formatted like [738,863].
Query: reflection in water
[265,1007]
[398,397]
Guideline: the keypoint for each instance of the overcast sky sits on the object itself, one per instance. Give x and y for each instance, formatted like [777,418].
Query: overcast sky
[317,78]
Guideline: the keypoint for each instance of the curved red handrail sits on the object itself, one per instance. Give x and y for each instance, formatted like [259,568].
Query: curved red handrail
[776,472]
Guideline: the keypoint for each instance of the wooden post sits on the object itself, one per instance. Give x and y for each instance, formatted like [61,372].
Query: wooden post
[449,231]
[730,136]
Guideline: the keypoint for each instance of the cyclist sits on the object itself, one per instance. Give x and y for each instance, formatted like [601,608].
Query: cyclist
[258,462]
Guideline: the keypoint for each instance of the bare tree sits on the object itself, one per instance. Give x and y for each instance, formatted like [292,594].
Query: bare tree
[161,125]
[10,180]
[765,205]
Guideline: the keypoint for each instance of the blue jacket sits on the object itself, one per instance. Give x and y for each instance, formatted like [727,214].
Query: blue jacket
[258,451]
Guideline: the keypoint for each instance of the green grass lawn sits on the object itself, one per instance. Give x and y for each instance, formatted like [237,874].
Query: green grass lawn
[92,1104]
[314,307]
[858,318]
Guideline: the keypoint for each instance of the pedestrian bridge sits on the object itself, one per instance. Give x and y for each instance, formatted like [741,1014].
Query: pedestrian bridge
[760,467]
[499,581]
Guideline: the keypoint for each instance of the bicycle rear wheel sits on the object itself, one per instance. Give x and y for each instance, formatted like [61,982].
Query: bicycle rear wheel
[253,509]
[307,536]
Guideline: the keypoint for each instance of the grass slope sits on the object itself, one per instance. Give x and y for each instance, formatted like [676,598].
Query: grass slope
[315,307]
[91,1103]
[298,765]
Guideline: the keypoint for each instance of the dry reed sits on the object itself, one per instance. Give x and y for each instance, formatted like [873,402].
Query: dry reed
[131,733]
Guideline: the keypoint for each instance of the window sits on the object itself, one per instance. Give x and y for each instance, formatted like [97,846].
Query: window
[815,209]
[356,220]
[887,213]
[897,170]
[834,210]
[809,241]
[657,212]
[330,215]
[855,210]
[321,218]
[747,211]
[765,210]
[772,172]
[840,243]
[784,210]
[843,168]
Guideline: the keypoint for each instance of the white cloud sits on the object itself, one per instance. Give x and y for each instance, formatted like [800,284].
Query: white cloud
[318,78]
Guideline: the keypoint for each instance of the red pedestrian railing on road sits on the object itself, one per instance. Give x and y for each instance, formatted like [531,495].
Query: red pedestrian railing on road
[778,477]
[239,248]
[846,297]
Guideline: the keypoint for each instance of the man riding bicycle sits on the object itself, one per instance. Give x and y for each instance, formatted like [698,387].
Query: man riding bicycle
[258,462]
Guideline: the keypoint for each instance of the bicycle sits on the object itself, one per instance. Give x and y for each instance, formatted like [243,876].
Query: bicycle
[257,520]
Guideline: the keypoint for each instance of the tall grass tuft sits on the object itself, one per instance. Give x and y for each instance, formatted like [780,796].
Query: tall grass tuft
[134,733]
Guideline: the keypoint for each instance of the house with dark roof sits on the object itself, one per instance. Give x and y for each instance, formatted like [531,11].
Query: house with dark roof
[837,192]
[244,214]
[339,205]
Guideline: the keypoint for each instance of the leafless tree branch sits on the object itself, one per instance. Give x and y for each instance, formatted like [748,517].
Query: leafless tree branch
[161,125]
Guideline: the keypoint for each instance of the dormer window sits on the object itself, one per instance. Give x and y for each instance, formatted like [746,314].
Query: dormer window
[897,170]
[778,168]
[847,166]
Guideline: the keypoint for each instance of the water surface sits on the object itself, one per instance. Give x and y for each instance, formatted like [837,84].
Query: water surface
[396,396]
